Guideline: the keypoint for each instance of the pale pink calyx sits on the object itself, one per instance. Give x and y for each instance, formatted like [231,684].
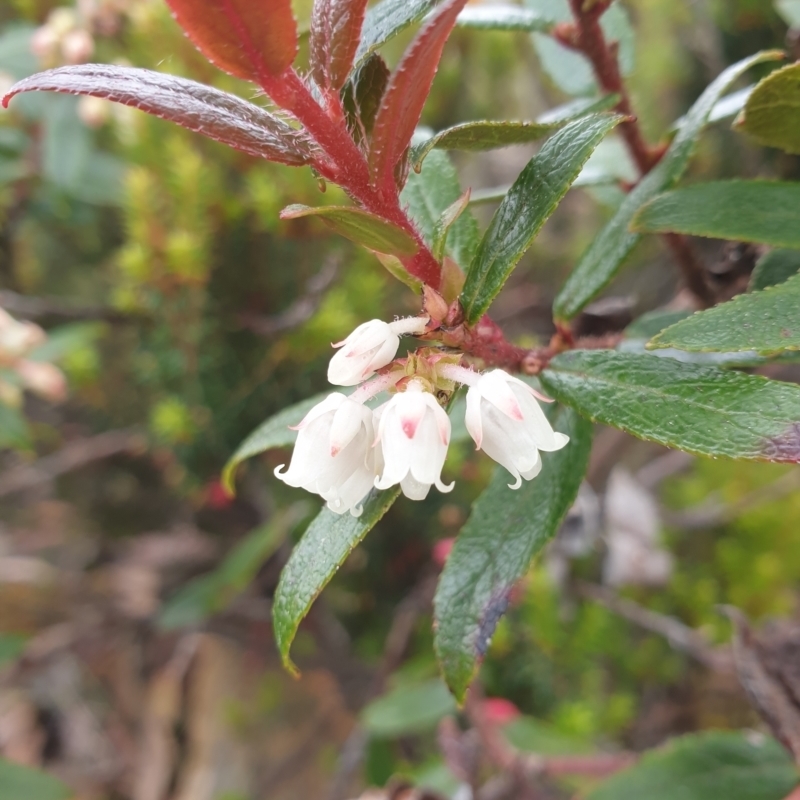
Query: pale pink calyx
[505,420]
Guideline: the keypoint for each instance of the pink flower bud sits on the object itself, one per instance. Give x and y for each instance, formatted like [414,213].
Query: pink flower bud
[43,379]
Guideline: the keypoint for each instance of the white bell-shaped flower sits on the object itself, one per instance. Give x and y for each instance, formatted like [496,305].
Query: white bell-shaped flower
[507,423]
[413,435]
[334,455]
[369,347]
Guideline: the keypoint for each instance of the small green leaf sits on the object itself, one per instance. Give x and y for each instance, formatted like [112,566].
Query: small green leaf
[767,212]
[494,550]
[653,322]
[771,115]
[601,262]
[445,222]
[408,710]
[362,94]
[775,267]
[530,201]
[13,428]
[502,17]
[12,646]
[330,538]
[706,766]
[275,432]
[535,736]
[387,19]
[359,226]
[428,194]
[702,410]
[208,594]
[22,783]
[767,322]
[482,135]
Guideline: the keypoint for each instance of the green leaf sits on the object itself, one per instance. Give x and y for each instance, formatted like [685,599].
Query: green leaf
[530,201]
[387,19]
[359,226]
[208,594]
[408,710]
[494,550]
[275,432]
[702,410]
[568,69]
[362,94]
[653,322]
[502,17]
[330,538]
[445,223]
[16,56]
[771,115]
[600,263]
[767,322]
[428,194]
[22,783]
[775,267]
[12,646]
[66,339]
[13,428]
[706,766]
[535,736]
[767,212]
[482,135]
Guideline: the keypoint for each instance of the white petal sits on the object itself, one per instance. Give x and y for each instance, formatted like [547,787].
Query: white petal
[495,388]
[414,489]
[472,417]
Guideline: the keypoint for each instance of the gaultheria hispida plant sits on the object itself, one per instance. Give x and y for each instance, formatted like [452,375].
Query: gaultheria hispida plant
[353,122]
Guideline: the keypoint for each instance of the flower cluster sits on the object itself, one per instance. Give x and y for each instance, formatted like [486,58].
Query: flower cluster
[344,447]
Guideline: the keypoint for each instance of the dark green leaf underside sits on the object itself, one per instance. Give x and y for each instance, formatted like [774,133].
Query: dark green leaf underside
[702,410]
[494,550]
[527,206]
[767,322]
[766,212]
[707,766]
[325,545]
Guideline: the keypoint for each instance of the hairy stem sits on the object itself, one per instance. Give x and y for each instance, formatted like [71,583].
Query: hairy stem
[348,167]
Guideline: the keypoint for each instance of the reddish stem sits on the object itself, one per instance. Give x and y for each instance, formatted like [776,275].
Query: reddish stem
[588,37]
[348,167]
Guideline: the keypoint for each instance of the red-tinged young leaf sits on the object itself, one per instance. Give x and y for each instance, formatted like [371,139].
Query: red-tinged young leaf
[361,97]
[218,115]
[408,89]
[335,34]
[252,40]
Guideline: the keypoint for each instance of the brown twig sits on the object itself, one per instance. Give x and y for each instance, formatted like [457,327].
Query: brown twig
[681,637]
[51,308]
[301,310]
[72,456]
[586,35]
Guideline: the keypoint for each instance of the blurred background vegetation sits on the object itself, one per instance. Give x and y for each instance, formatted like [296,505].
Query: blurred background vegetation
[136,653]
